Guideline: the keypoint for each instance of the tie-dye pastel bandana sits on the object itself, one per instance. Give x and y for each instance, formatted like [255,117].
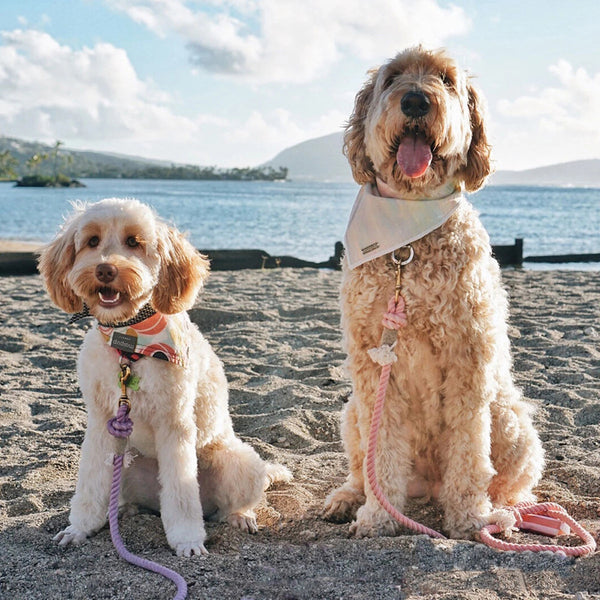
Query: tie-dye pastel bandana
[379,225]
[159,336]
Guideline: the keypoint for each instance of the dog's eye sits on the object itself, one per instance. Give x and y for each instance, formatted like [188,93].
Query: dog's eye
[446,80]
[132,241]
[93,241]
[387,82]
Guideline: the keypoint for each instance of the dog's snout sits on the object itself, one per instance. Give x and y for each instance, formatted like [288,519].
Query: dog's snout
[106,272]
[415,104]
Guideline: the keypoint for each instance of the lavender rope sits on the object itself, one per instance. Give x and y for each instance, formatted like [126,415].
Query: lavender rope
[121,427]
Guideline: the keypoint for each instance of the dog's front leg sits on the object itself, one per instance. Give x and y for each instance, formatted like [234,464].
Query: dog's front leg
[180,506]
[466,453]
[393,466]
[89,505]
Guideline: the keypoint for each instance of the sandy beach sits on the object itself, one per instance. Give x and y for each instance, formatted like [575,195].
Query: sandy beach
[277,332]
[19,246]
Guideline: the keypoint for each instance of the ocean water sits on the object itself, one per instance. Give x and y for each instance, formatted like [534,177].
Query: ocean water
[304,219]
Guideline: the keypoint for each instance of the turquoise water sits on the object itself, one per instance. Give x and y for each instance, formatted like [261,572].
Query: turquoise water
[303,219]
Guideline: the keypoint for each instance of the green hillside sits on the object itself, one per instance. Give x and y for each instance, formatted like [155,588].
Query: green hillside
[81,164]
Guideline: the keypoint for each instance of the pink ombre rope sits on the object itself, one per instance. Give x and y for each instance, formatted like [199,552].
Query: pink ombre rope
[548,508]
[121,427]
[393,319]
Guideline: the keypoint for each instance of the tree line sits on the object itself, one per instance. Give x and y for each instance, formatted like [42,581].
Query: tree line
[56,167]
[192,172]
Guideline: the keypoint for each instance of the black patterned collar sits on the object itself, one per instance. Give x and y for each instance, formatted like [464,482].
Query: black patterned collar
[146,312]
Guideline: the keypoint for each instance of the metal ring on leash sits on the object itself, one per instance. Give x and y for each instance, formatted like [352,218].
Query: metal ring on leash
[399,261]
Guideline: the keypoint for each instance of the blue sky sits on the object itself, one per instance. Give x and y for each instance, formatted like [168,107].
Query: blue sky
[233,82]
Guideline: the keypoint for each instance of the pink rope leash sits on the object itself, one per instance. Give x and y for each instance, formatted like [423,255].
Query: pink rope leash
[525,513]
[393,319]
[557,513]
[121,427]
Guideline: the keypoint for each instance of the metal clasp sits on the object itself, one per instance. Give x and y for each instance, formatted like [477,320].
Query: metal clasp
[123,379]
[398,264]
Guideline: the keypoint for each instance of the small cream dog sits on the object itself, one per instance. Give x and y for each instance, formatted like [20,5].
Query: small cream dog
[454,425]
[119,261]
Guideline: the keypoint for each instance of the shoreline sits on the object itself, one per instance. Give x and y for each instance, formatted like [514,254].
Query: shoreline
[10,245]
[280,342]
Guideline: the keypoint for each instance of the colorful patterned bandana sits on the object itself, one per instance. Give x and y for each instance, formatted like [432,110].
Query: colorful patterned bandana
[159,336]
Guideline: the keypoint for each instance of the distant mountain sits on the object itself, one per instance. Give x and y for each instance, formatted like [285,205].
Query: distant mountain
[318,159]
[579,173]
[321,159]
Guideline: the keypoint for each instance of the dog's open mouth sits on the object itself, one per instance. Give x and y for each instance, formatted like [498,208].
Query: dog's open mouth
[109,297]
[413,155]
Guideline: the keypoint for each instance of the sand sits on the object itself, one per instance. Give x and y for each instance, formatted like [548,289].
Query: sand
[19,246]
[277,333]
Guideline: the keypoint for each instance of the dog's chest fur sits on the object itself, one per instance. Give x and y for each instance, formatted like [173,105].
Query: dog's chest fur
[449,299]
[98,369]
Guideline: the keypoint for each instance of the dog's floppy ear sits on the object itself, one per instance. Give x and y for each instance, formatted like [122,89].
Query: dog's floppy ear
[354,138]
[55,262]
[479,165]
[182,272]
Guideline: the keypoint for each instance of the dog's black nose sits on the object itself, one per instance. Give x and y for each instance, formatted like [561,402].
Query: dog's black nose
[106,272]
[415,104]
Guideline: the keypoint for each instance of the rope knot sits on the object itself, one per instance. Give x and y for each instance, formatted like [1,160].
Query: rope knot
[120,426]
[395,317]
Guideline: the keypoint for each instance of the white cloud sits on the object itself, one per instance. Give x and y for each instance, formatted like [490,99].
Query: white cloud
[573,107]
[287,41]
[93,98]
[553,124]
[94,93]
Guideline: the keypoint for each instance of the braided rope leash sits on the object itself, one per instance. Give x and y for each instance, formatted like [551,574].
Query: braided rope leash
[121,427]
[393,319]
[547,518]
[555,521]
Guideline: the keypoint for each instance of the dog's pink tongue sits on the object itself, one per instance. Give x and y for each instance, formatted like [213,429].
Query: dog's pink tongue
[413,156]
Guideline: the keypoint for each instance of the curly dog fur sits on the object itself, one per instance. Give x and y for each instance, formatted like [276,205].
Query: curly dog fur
[455,427]
[117,256]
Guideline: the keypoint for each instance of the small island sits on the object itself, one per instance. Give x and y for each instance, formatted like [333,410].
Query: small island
[53,177]
[61,181]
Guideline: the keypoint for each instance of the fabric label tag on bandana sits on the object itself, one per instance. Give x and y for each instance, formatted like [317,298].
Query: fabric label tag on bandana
[124,342]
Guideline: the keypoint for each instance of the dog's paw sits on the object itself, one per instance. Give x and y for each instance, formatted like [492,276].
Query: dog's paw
[189,549]
[468,527]
[70,535]
[244,521]
[375,523]
[341,505]
[128,510]
[384,528]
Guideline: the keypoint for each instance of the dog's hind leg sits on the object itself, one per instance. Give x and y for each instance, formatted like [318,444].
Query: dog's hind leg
[517,452]
[233,479]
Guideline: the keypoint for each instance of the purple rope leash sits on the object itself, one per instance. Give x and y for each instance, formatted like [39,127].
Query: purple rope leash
[121,427]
